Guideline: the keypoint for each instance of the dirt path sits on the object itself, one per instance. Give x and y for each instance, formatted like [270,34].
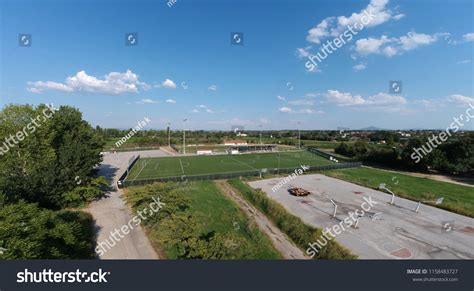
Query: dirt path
[111,213]
[281,242]
[440,178]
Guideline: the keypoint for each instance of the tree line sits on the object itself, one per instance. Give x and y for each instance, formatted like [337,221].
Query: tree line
[50,170]
[453,157]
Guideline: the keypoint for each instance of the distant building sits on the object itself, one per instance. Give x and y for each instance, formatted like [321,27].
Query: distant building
[251,148]
[235,142]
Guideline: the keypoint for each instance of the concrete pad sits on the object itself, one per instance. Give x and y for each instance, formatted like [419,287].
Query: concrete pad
[385,231]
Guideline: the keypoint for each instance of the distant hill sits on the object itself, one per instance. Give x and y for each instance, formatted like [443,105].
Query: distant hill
[371,128]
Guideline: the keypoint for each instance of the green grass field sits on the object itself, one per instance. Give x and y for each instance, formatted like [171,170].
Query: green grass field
[457,198]
[200,165]
[199,222]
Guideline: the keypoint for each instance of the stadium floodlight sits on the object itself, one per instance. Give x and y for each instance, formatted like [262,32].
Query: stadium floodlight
[299,135]
[169,134]
[184,136]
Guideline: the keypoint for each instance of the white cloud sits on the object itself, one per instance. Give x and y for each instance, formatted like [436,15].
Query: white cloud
[414,40]
[343,99]
[302,102]
[334,26]
[147,101]
[212,88]
[366,46]
[302,52]
[359,67]
[461,99]
[170,101]
[202,108]
[430,104]
[320,31]
[114,83]
[310,111]
[264,121]
[40,86]
[379,99]
[468,36]
[466,61]
[170,84]
[285,109]
[301,111]
[390,47]
[385,99]
[281,98]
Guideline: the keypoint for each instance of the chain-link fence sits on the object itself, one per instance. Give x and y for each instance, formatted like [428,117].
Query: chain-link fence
[325,154]
[230,175]
[131,162]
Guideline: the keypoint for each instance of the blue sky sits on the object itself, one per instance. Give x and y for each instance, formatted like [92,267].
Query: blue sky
[184,65]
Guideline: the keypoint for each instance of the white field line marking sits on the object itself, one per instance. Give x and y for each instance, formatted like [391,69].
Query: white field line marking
[157,163]
[182,169]
[139,172]
[244,163]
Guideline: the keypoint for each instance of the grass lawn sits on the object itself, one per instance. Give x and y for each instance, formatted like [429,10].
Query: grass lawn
[457,198]
[212,215]
[196,165]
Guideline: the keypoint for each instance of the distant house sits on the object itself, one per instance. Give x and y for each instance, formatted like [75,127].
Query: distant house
[354,138]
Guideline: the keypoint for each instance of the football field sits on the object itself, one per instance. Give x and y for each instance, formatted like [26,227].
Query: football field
[149,168]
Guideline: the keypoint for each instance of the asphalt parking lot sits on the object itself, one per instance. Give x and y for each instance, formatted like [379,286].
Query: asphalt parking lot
[385,231]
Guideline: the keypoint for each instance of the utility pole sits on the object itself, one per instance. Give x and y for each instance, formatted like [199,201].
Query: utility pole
[184,136]
[299,135]
[169,135]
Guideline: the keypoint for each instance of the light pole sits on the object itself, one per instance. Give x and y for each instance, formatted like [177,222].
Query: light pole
[184,136]
[299,135]
[260,126]
[169,135]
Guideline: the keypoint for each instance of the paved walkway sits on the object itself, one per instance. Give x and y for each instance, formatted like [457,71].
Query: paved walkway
[111,212]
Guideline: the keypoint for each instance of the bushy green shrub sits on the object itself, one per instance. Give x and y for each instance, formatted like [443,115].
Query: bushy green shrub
[29,232]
